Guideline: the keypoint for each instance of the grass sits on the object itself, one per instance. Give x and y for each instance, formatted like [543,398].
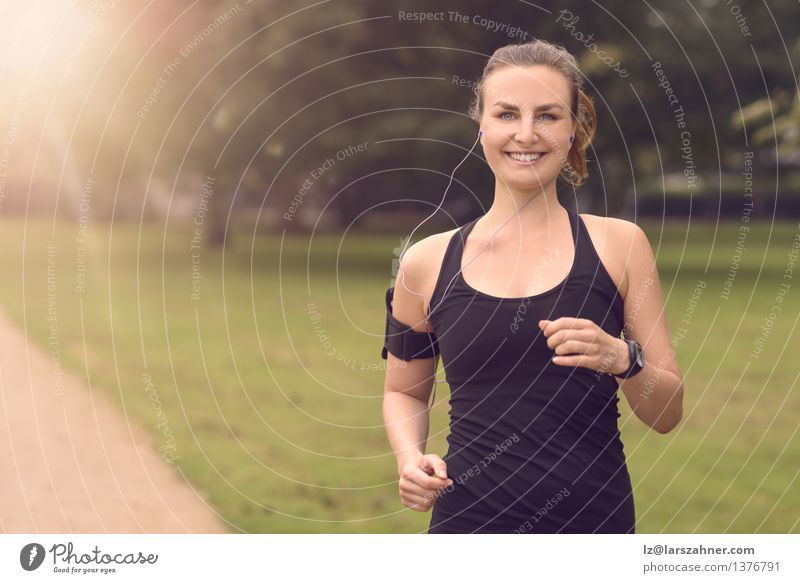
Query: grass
[271,381]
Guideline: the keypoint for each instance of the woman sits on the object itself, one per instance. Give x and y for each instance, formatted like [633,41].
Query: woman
[526,306]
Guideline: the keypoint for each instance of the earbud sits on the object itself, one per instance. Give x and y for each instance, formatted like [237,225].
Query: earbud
[572,138]
[480,132]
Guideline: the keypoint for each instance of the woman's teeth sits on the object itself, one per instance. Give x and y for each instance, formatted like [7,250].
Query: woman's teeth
[525,157]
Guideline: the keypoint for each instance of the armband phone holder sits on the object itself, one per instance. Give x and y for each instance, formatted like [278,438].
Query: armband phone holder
[403,341]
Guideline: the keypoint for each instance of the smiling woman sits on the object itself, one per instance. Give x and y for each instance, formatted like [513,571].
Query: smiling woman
[529,332]
[564,108]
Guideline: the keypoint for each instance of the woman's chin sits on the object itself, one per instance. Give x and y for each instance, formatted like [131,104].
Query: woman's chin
[531,180]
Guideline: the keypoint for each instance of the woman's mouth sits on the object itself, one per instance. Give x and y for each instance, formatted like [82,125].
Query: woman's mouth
[528,159]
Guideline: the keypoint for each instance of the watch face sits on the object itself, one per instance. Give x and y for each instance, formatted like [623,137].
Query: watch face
[639,356]
[636,357]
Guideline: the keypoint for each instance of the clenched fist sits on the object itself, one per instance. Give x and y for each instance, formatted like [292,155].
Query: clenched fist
[422,480]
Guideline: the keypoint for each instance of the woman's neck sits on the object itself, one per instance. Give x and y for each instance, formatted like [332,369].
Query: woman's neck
[521,213]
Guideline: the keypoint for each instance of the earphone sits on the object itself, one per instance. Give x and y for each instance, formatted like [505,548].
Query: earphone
[408,241]
[444,195]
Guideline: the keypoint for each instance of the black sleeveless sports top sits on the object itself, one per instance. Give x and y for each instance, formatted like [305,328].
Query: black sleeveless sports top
[534,446]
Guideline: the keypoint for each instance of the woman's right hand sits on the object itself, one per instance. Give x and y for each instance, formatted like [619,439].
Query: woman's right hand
[422,479]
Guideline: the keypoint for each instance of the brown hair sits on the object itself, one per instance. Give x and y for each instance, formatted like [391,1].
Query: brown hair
[555,56]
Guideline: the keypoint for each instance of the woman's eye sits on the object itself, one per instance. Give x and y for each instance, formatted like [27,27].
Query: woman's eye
[505,113]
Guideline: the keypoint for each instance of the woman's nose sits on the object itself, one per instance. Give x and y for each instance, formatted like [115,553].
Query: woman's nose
[527,132]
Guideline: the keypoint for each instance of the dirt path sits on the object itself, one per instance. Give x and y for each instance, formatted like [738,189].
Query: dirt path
[71,463]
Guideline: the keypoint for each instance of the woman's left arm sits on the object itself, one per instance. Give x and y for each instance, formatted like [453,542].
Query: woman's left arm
[656,392]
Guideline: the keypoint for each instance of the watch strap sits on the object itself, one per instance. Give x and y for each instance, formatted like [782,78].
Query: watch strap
[634,352]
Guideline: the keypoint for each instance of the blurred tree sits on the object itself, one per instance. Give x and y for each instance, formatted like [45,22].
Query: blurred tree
[777,121]
[262,95]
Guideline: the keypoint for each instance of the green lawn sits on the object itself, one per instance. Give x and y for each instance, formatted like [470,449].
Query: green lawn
[275,404]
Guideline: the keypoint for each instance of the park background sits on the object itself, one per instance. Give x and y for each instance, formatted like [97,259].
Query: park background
[202,205]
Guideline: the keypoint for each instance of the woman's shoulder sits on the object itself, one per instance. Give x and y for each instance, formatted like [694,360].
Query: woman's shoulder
[613,238]
[423,260]
[427,253]
[613,226]
[622,233]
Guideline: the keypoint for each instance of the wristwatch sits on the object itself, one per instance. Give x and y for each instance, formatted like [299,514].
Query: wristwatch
[637,359]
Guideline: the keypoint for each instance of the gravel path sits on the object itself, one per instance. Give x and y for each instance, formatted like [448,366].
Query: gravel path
[71,463]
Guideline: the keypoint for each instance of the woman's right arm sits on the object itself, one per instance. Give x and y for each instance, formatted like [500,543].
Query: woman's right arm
[405,405]
[407,389]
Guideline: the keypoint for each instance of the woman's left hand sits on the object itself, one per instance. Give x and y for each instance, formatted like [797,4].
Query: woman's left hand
[581,342]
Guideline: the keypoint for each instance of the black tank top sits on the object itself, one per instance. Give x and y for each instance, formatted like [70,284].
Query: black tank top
[534,446]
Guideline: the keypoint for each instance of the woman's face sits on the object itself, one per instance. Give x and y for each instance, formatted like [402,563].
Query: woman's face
[526,110]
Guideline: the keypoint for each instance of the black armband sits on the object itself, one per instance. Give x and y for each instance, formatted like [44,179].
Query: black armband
[403,341]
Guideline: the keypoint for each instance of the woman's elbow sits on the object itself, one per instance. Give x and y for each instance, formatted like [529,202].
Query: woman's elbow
[664,427]
[670,418]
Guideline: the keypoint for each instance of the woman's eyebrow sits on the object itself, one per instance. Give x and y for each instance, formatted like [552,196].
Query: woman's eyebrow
[539,108]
